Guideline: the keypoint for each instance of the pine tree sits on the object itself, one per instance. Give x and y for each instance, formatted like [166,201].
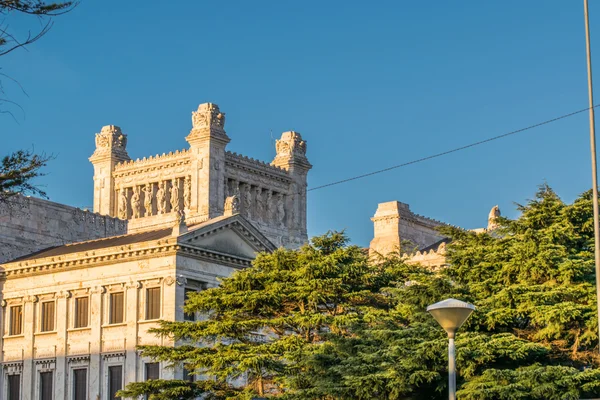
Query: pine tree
[264,322]
[338,326]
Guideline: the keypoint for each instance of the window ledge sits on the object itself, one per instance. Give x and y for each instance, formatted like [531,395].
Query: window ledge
[148,321]
[45,333]
[86,328]
[22,335]
[114,325]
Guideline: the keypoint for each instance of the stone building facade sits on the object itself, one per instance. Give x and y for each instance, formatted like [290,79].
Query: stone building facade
[29,224]
[80,290]
[198,180]
[394,222]
[80,310]
[398,230]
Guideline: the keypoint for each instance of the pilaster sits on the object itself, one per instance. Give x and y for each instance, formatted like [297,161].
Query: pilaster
[28,379]
[131,316]
[60,380]
[95,369]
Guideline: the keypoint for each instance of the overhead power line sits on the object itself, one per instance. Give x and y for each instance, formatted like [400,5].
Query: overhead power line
[451,151]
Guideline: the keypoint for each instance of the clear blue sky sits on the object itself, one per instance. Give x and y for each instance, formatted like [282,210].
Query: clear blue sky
[368,85]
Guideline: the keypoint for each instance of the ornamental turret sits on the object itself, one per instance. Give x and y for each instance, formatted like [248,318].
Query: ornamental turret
[111,149]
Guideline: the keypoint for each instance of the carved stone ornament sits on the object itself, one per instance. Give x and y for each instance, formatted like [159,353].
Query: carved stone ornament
[181,280]
[111,140]
[122,211]
[136,203]
[134,285]
[291,145]
[232,205]
[169,280]
[161,198]
[3,303]
[208,115]
[493,218]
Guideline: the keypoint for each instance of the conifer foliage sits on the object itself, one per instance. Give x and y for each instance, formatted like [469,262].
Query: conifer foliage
[325,322]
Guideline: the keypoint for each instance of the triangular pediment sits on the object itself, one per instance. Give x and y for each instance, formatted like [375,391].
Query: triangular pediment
[232,235]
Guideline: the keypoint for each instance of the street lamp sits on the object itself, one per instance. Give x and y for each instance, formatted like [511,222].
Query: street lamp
[451,314]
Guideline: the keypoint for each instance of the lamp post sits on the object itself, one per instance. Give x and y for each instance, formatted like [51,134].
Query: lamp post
[593,149]
[451,314]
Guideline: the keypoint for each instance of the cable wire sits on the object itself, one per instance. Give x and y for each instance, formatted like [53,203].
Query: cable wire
[451,151]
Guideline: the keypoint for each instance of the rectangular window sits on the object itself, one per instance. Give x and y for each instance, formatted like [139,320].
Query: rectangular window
[115,381]
[14,387]
[47,316]
[46,385]
[116,308]
[189,316]
[152,371]
[153,303]
[16,320]
[80,384]
[188,375]
[81,312]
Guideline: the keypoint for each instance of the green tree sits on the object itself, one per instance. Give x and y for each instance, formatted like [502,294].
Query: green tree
[339,326]
[264,322]
[17,172]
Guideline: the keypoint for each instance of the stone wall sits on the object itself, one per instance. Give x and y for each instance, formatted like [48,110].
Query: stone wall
[29,224]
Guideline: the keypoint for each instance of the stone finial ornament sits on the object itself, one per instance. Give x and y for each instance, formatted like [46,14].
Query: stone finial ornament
[493,218]
[207,122]
[291,145]
[208,115]
[111,140]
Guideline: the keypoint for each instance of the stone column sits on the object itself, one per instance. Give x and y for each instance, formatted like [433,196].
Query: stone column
[131,335]
[207,141]
[95,368]
[29,317]
[110,150]
[62,322]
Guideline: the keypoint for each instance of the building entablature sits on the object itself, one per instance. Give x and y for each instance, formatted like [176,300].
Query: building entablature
[198,242]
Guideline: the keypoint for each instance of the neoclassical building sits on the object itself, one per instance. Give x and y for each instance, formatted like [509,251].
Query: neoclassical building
[80,290]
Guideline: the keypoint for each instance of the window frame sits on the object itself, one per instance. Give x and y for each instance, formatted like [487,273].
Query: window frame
[190,317]
[109,380]
[9,386]
[76,312]
[41,383]
[74,381]
[10,320]
[146,364]
[42,315]
[147,303]
[110,307]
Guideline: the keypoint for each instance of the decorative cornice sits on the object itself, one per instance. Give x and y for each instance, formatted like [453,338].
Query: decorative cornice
[46,362]
[256,166]
[78,359]
[17,365]
[117,354]
[143,250]
[210,255]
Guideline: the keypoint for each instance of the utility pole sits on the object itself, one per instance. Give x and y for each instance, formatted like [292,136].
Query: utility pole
[594,172]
